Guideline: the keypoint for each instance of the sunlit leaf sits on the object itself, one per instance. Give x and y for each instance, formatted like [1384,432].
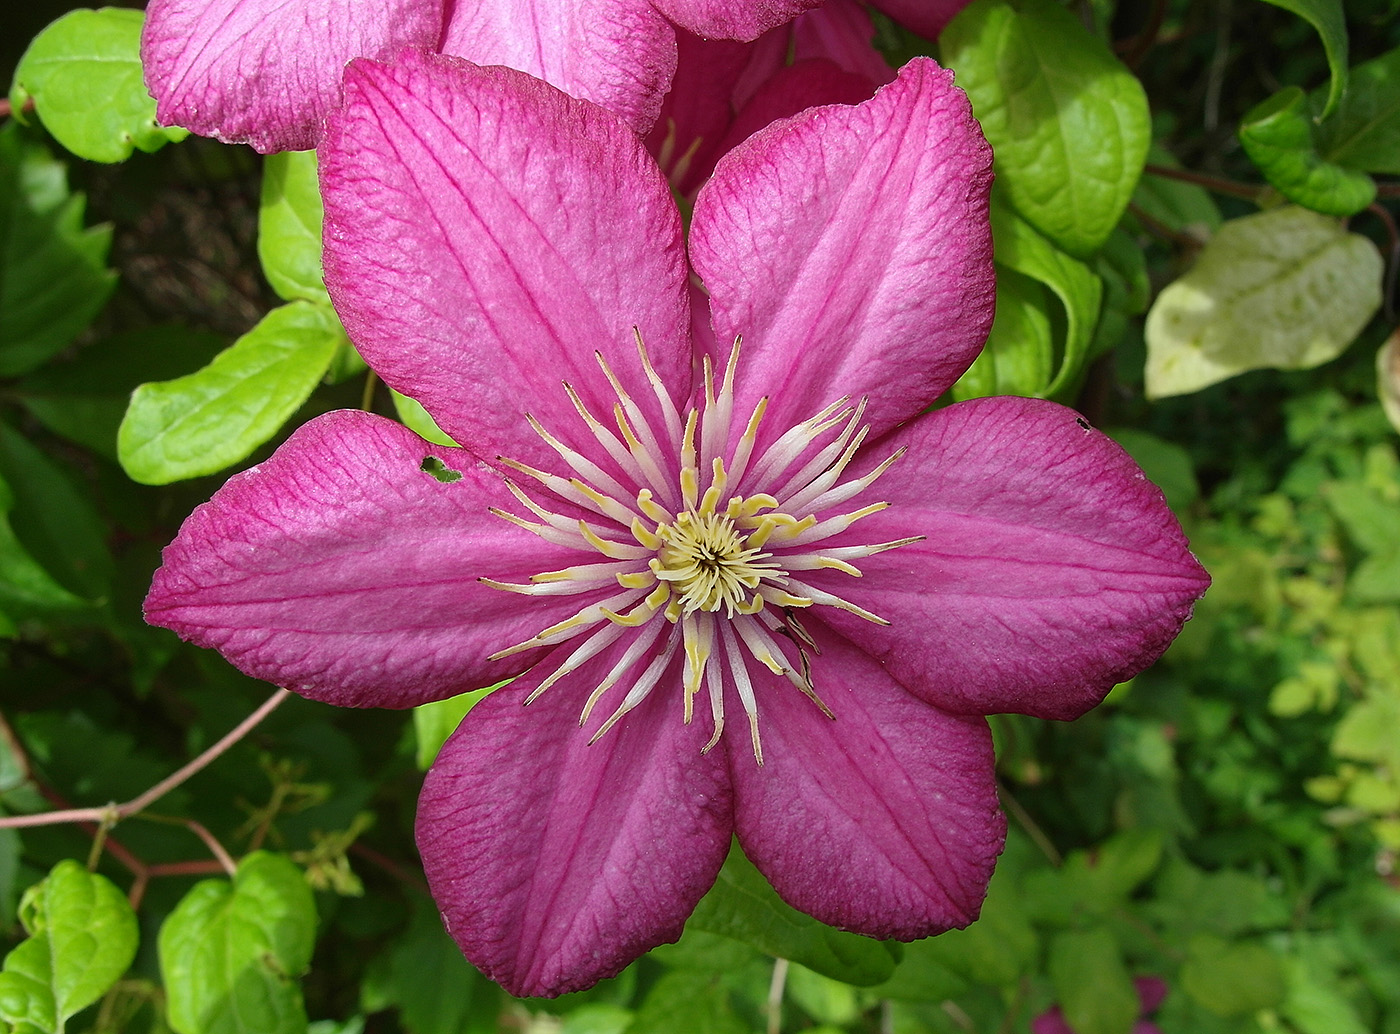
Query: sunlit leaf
[1287,288]
[82,938]
[83,73]
[434,722]
[1068,123]
[231,953]
[203,422]
[417,419]
[289,226]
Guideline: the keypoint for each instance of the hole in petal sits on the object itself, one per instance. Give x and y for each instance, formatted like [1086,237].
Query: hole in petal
[440,470]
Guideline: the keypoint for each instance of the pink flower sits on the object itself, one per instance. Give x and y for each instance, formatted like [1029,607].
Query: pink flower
[267,72]
[777,598]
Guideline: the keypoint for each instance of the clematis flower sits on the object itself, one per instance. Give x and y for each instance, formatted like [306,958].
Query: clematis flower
[267,72]
[725,89]
[747,586]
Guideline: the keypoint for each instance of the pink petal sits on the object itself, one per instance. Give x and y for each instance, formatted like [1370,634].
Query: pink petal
[617,53]
[266,72]
[852,250]
[341,569]
[1152,992]
[840,31]
[1052,568]
[556,863]
[884,821]
[485,235]
[793,89]
[696,113]
[1052,1021]
[732,19]
[926,17]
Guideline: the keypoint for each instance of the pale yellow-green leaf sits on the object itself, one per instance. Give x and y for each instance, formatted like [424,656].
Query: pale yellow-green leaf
[1287,288]
[1388,378]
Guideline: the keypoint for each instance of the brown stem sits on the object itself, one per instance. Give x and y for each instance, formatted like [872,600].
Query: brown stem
[1162,231]
[1135,48]
[1218,184]
[390,866]
[114,812]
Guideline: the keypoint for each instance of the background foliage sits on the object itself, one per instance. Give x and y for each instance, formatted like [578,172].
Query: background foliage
[1229,822]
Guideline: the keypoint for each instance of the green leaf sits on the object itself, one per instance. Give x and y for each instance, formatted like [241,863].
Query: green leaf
[1364,132]
[85,400]
[1388,379]
[53,274]
[743,906]
[1121,266]
[1021,248]
[434,988]
[1020,351]
[231,953]
[55,518]
[289,226]
[694,996]
[1092,983]
[26,589]
[1367,731]
[996,949]
[434,722]
[203,422]
[1232,979]
[1278,137]
[1068,123]
[84,75]
[417,419]
[1329,19]
[825,1000]
[1287,288]
[82,938]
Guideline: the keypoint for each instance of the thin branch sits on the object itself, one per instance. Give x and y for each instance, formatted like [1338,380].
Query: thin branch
[1135,48]
[1159,229]
[390,866]
[1023,818]
[1218,184]
[367,396]
[112,813]
[776,986]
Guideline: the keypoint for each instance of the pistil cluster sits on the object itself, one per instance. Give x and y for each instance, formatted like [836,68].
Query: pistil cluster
[709,560]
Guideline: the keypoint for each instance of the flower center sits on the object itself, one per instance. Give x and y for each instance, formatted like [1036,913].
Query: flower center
[709,564]
[709,575]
